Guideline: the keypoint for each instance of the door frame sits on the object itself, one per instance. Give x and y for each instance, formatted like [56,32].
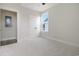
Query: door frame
[9,41]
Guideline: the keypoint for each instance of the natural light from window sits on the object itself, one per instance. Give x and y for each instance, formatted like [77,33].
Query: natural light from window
[44,22]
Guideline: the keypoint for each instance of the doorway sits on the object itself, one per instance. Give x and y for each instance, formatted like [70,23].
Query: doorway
[8,27]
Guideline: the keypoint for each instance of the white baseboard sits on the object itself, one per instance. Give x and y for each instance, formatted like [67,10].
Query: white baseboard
[62,41]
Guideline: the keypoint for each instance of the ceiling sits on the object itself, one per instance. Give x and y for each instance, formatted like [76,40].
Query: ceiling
[38,6]
[34,6]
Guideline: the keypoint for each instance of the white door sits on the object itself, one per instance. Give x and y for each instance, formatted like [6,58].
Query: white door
[34,26]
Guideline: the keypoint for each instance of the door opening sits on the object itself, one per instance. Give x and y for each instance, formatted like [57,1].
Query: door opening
[8,27]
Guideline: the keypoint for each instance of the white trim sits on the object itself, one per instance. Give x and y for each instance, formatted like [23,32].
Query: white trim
[62,41]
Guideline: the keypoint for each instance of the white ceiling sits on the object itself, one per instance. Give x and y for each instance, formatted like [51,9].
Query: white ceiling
[37,6]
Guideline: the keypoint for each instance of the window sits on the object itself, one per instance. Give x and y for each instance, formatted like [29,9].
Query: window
[44,22]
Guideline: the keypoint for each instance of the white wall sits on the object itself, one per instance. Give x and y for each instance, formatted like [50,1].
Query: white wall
[64,23]
[23,18]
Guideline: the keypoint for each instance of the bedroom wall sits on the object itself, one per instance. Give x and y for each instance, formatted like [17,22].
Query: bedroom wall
[63,23]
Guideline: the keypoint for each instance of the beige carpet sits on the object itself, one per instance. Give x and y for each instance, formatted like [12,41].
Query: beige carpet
[36,46]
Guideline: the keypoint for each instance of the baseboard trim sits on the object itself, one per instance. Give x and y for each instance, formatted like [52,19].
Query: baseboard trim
[7,42]
[62,41]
